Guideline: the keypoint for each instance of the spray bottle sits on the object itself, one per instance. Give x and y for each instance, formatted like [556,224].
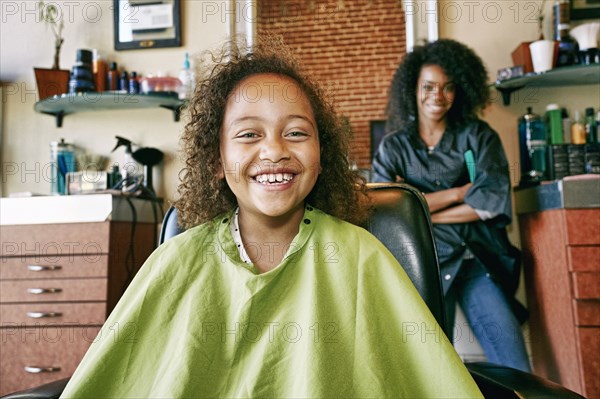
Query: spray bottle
[129,167]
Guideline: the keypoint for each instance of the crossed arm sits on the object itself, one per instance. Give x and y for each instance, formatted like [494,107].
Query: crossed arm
[447,206]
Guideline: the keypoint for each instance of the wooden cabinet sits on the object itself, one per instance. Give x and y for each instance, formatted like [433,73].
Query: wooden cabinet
[58,283]
[562,274]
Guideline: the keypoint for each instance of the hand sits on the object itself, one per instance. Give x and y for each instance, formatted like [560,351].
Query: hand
[462,191]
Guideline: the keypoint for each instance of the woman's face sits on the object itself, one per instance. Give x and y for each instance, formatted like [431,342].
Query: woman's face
[269,144]
[435,94]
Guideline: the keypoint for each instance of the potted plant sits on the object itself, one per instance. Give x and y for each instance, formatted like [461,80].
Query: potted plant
[53,81]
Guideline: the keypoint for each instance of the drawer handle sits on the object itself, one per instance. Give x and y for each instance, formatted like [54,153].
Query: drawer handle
[40,315]
[38,291]
[37,370]
[39,268]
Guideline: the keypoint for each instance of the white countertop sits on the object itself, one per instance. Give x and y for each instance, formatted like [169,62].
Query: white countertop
[75,209]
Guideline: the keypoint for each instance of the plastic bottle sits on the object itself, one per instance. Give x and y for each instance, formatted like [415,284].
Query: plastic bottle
[566,124]
[113,77]
[577,130]
[186,76]
[554,123]
[124,81]
[54,168]
[134,83]
[99,69]
[591,133]
[129,168]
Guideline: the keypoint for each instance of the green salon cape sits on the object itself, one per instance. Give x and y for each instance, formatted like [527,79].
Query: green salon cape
[338,318]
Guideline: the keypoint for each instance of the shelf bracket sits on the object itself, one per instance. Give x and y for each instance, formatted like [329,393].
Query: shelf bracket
[176,111]
[58,116]
[506,93]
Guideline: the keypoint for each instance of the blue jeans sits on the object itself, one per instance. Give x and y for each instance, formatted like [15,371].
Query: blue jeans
[488,314]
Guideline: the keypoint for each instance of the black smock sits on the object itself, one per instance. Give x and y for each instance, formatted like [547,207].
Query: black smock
[406,156]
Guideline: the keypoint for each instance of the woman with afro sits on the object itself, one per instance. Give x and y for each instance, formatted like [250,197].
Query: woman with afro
[437,143]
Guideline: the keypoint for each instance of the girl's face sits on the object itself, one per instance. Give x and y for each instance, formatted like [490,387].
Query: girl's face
[269,144]
[435,94]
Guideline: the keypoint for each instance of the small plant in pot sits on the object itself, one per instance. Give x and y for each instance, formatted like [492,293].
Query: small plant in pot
[53,81]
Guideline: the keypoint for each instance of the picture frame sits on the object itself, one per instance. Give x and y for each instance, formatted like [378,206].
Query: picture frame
[585,9]
[145,24]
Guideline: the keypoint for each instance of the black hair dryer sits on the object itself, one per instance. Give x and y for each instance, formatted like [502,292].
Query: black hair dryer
[148,157]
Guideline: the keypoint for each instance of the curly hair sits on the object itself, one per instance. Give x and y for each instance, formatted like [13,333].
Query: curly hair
[459,63]
[338,191]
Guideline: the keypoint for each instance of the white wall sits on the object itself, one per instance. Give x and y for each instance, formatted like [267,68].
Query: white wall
[26,44]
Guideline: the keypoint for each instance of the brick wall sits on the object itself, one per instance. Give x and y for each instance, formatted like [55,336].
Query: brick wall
[352,47]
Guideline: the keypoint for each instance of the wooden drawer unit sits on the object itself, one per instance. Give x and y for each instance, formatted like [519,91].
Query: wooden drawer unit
[37,314]
[562,275]
[31,267]
[58,283]
[35,356]
[53,290]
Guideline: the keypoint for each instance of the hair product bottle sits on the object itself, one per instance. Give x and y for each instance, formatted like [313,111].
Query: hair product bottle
[590,126]
[577,130]
[134,83]
[113,77]
[99,69]
[124,81]
[186,76]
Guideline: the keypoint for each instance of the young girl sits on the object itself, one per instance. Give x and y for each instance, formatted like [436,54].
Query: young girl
[269,293]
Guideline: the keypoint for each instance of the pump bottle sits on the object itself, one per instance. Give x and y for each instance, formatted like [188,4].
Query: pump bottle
[186,76]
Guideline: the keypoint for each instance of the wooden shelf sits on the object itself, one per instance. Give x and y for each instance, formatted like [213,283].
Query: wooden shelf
[65,104]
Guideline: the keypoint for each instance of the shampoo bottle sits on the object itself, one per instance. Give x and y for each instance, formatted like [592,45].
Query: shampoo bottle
[113,77]
[186,76]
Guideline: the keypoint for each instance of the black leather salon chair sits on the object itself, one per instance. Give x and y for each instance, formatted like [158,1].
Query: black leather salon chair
[400,220]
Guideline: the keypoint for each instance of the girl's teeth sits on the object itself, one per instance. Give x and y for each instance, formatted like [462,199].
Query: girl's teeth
[274,178]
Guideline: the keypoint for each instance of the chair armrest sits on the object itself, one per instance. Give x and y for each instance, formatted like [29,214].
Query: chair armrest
[52,390]
[502,382]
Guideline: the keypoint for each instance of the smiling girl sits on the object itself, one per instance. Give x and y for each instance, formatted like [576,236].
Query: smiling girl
[270,293]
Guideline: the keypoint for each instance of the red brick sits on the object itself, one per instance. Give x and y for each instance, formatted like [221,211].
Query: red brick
[352,51]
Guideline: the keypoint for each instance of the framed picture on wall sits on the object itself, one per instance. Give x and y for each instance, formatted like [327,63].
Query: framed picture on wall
[141,24]
[585,9]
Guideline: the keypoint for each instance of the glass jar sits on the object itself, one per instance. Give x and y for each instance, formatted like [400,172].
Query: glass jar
[533,147]
[62,161]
